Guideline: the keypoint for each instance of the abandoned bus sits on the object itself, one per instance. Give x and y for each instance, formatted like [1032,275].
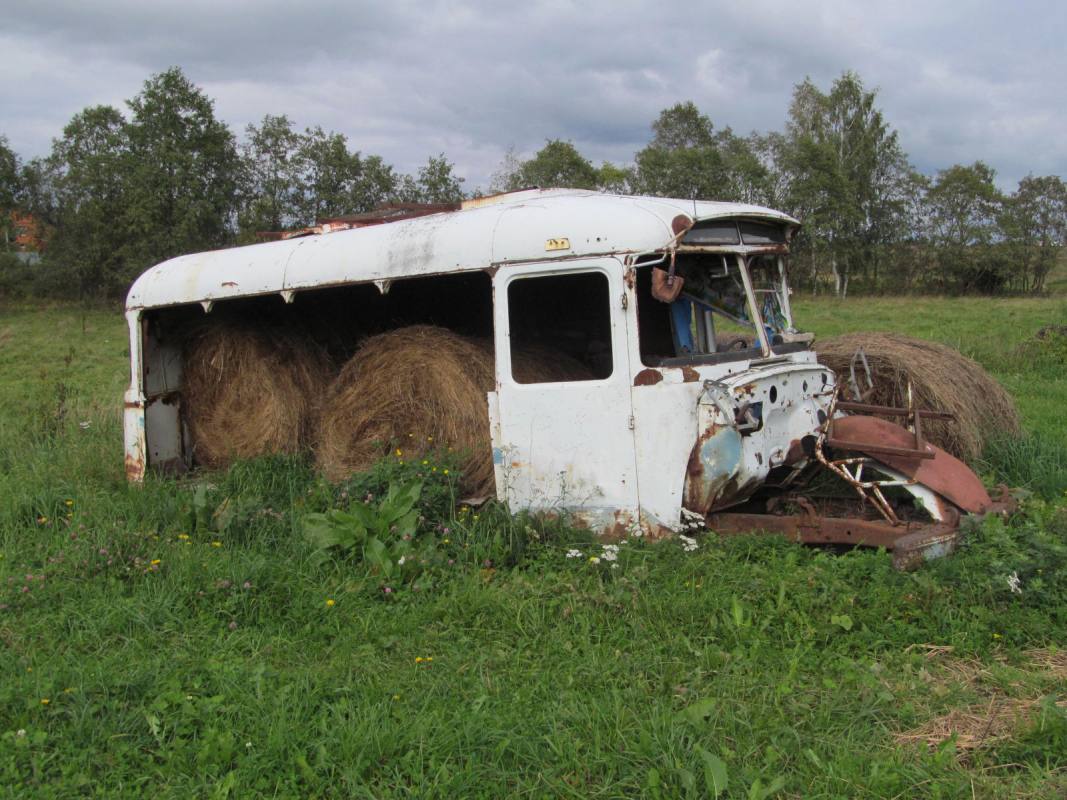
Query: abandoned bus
[699,391]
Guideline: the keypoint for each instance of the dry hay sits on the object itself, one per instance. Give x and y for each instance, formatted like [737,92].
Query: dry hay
[421,388]
[250,389]
[942,379]
[996,717]
[981,725]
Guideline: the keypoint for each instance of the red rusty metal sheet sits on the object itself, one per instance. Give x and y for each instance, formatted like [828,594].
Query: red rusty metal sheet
[944,474]
[911,544]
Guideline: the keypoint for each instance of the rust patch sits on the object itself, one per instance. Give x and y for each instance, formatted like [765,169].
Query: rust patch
[681,223]
[229,283]
[648,377]
[629,278]
[748,388]
[690,375]
[134,469]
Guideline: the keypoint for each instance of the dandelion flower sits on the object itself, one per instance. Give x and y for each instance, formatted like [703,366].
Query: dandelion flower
[330,603]
[425,463]
[183,536]
[399,452]
[45,701]
[156,562]
[68,503]
[594,560]
[216,544]
[396,697]
[418,659]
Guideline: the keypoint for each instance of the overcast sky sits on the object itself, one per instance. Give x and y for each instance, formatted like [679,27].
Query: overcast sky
[960,81]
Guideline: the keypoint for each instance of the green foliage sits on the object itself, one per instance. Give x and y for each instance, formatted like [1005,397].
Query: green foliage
[557,164]
[1035,463]
[10,189]
[435,183]
[688,158]
[382,533]
[271,177]
[749,667]
[84,185]
[181,182]
[964,204]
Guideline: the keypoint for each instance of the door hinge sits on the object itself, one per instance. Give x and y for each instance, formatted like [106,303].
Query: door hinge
[625,301]
[631,421]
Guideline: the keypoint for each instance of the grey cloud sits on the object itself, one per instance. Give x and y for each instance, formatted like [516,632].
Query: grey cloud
[411,79]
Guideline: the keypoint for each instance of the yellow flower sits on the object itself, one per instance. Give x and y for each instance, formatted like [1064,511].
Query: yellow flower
[399,452]
[155,562]
[475,516]
[216,544]
[41,520]
[425,462]
[429,438]
[331,603]
[396,697]
[434,469]
[68,503]
[418,659]
[446,472]
[445,541]
[45,701]
[183,536]
[68,690]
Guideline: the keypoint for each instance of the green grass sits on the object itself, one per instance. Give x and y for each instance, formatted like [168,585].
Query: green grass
[221,671]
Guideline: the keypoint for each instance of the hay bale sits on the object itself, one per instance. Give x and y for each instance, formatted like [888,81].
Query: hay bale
[250,389]
[421,388]
[942,379]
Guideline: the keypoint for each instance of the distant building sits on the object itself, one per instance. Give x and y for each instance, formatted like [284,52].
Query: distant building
[27,232]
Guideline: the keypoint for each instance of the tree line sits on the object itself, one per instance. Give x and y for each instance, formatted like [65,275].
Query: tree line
[122,191]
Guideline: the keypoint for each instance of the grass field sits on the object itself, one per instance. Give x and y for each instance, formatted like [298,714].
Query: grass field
[181,639]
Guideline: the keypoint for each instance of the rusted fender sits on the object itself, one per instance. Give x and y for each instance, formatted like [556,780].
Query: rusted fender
[944,473]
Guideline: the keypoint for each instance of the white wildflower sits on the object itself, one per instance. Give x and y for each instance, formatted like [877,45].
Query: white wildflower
[84,425]
[248,745]
[691,521]
[1014,583]
[400,561]
[611,552]
[20,732]
[572,553]
[688,544]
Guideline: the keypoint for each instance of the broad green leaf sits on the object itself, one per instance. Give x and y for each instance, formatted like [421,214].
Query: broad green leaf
[843,621]
[715,774]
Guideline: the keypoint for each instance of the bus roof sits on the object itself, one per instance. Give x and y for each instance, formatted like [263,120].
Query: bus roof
[529,225]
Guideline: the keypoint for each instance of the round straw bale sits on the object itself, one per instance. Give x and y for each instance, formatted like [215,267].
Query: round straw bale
[421,388]
[942,379]
[417,388]
[250,389]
